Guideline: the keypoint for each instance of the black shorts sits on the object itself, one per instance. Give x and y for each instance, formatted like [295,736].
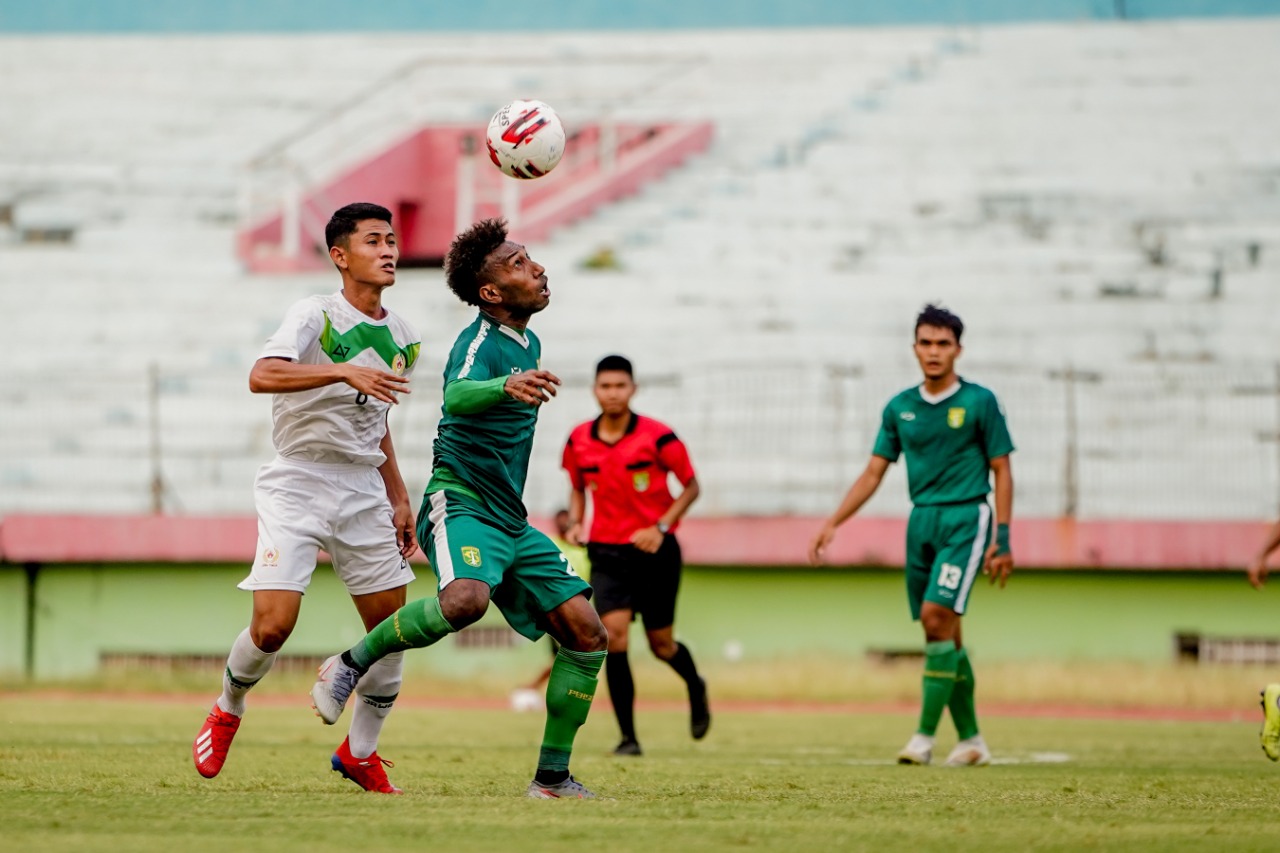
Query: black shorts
[626,578]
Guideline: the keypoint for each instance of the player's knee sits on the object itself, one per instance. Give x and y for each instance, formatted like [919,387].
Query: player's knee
[939,624]
[663,648]
[463,604]
[591,637]
[270,636]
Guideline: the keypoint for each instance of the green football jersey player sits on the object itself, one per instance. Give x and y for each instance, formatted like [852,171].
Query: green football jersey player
[955,440]
[473,525]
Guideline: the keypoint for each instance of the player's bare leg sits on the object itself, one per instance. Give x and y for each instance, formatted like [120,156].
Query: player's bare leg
[275,612]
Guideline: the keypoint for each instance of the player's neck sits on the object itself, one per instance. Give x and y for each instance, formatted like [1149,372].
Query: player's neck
[941,385]
[367,299]
[614,426]
[505,318]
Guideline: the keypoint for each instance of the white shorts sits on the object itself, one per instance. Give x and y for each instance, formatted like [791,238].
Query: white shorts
[306,506]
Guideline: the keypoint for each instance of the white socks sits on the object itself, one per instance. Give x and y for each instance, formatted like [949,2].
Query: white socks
[246,664]
[375,692]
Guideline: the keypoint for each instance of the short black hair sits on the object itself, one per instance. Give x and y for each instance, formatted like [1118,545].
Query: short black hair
[464,266]
[614,362]
[345,219]
[936,315]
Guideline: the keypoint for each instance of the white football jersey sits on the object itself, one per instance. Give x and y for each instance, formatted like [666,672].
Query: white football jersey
[334,423]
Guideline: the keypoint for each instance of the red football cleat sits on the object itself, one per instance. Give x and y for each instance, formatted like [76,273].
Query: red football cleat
[365,772]
[210,748]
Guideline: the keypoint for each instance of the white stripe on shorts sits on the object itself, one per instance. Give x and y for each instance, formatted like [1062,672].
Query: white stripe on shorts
[444,559]
[975,556]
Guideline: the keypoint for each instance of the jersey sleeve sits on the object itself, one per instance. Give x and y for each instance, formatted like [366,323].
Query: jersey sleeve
[299,330]
[888,445]
[996,440]
[569,462]
[674,456]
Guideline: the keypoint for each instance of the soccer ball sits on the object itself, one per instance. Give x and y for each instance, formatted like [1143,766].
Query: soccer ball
[525,139]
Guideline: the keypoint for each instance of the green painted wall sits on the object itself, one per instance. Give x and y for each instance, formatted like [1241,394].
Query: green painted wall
[83,611]
[13,617]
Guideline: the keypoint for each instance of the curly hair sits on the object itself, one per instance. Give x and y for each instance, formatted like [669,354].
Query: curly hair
[936,315]
[464,266]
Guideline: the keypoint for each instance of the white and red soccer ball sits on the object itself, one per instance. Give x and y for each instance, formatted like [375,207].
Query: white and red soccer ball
[525,139]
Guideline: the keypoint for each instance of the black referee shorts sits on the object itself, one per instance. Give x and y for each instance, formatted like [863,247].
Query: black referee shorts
[625,578]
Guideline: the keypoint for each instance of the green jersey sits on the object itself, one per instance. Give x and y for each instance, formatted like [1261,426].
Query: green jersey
[948,441]
[485,453]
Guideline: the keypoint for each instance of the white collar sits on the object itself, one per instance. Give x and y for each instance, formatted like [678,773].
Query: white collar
[934,399]
[514,335]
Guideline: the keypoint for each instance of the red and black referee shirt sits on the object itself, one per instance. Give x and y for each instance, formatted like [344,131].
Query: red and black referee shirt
[627,481]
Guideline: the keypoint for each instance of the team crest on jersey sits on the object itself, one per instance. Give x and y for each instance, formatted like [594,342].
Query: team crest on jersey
[955,418]
[640,480]
[270,557]
[398,364]
[908,416]
[471,556]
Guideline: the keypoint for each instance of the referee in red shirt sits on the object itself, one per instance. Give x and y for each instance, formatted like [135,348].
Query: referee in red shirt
[623,459]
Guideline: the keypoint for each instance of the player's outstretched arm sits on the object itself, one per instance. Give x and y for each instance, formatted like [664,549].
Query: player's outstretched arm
[281,376]
[998,564]
[1257,569]
[859,493]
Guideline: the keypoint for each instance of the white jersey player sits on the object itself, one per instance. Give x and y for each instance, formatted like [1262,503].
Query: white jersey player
[335,367]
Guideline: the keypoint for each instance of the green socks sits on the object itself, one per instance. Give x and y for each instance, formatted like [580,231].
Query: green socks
[941,662]
[414,626]
[964,712]
[569,693]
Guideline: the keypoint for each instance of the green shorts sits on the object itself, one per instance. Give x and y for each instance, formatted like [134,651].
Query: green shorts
[945,548]
[527,574]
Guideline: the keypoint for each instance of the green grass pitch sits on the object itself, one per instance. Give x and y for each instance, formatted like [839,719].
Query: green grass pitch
[83,774]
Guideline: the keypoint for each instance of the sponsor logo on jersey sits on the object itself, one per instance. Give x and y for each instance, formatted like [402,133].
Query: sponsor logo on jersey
[516,370]
[398,364]
[640,480]
[955,418]
[270,557]
[908,416]
[471,556]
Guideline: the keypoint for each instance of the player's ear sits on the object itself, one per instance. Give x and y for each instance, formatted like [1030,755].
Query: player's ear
[490,293]
[339,256]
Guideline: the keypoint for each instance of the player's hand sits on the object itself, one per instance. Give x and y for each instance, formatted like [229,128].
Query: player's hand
[648,539]
[402,520]
[820,543]
[1258,572]
[376,383]
[997,566]
[534,387]
[574,534]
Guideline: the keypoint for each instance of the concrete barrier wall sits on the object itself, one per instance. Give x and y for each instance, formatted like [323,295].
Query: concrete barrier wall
[745,615]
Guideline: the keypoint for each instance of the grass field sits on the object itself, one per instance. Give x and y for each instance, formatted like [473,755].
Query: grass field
[79,773]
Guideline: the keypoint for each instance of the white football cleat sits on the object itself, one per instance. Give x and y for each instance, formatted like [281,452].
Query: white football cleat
[332,689]
[970,752]
[919,750]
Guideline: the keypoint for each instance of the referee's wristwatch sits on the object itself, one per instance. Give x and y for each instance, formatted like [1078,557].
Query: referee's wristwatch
[663,527]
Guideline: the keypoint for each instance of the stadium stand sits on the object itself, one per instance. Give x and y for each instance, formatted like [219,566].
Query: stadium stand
[1098,201]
